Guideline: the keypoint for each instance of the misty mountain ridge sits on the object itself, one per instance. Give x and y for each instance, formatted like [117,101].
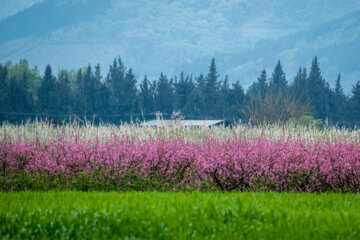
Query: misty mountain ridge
[170,36]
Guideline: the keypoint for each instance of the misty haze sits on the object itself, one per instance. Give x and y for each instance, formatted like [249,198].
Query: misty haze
[125,60]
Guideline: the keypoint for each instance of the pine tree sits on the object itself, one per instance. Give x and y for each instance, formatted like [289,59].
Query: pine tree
[115,81]
[318,91]
[262,83]
[80,98]
[338,88]
[224,99]
[211,90]
[183,89]
[47,94]
[164,95]
[237,100]
[3,92]
[101,94]
[278,81]
[259,88]
[89,91]
[19,99]
[146,97]
[197,100]
[129,93]
[299,86]
[355,104]
[64,92]
[338,101]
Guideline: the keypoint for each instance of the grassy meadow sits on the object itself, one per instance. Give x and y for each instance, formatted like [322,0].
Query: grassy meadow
[169,215]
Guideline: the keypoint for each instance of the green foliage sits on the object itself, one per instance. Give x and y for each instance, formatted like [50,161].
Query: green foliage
[97,180]
[84,94]
[164,94]
[153,215]
[309,121]
[278,82]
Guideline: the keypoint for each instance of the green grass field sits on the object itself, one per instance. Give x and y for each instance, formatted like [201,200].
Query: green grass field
[154,215]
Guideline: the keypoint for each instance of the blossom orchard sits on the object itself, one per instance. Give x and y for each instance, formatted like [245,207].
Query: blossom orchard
[209,163]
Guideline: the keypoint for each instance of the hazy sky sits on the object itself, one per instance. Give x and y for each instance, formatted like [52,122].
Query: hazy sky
[10,7]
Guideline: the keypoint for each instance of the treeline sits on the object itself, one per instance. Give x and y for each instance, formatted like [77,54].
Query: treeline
[117,96]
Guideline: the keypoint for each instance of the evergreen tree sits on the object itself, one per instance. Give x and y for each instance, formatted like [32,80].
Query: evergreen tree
[91,91]
[80,96]
[129,96]
[338,101]
[259,88]
[104,102]
[224,99]
[116,81]
[298,88]
[355,104]
[88,80]
[101,94]
[197,100]
[183,89]
[3,92]
[47,94]
[147,102]
[262,84]
[164,97]
[211,90]
[19,99]
[237,100]
[278,81]
[318,91]
[64,92]
[338,88]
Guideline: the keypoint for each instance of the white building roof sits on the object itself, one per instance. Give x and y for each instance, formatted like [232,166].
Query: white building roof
[185,123]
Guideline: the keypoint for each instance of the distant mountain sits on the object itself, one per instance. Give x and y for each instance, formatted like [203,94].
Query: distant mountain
[171,36]
[41,19]
[336,43]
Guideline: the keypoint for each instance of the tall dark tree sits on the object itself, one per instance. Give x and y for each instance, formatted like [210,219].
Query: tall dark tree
[237,101]
[79,94]
[354,102]
[3,92]
[260,87]
[19,100]
[211,90]
[115,80]
[129,96]
[47,94]
[147,94]
[223,102]
[197,100]
[89,91]
[337,102]
[101,94]
[318,91]
[64,92]
[92,84]
[278,81]
[299,84]
[164,97]
[338,88]
[183,89]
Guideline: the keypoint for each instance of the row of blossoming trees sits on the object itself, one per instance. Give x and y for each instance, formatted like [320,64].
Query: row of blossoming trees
[128,163]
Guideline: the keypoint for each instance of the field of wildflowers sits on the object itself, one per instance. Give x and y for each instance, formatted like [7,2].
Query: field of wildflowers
[38,156]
